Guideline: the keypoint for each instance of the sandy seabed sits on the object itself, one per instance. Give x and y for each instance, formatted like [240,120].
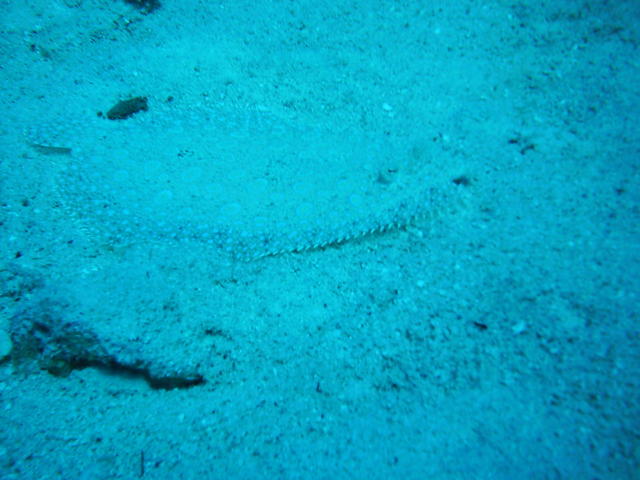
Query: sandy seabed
[460,183]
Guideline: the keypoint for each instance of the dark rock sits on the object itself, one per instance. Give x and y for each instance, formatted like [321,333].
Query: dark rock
[147,6]
[126,108]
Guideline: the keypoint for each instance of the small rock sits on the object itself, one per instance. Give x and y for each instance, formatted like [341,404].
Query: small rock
[126,108]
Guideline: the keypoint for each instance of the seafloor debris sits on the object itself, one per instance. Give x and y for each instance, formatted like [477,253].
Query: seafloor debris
[126,108]
[146,6]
